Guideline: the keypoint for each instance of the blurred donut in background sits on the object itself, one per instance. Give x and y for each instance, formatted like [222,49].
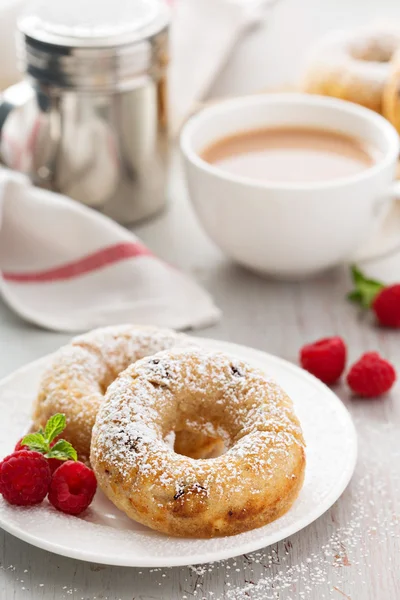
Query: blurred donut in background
[353,65]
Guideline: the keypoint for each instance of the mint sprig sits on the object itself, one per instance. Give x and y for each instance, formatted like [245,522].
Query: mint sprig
[62,450]
[36,442]
[54,426]
[365,290]
[41,440]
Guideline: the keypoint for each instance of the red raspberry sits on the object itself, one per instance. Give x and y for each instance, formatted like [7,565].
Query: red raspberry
[386,306]
[371,376]
[326,359]
[19,446]
[72,487]
[54,463]
[24,478]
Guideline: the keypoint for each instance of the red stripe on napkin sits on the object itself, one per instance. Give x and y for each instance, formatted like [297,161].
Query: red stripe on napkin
[92,262]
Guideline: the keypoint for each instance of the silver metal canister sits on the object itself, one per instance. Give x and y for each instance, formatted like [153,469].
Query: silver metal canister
[89,120]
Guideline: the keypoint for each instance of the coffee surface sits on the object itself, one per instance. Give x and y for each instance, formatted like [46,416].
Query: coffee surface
[291,154]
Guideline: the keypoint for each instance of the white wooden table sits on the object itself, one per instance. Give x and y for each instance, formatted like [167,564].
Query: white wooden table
[352,552]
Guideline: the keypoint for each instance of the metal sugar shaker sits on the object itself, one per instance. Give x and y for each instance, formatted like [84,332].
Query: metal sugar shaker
[89,120]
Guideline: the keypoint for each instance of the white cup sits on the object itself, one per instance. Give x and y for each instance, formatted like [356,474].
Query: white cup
[289,230]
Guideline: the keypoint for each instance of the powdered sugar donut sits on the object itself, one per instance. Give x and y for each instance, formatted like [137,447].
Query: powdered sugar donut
[353,65]
[391,94]
[76,380]
[197,393]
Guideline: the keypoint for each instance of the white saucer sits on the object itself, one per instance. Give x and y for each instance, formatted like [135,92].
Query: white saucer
[379,258]
[105,535]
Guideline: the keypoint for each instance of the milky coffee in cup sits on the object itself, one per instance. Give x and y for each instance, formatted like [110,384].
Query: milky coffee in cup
[291,154]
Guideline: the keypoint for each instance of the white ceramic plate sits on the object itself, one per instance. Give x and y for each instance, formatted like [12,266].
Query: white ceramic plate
[105,535]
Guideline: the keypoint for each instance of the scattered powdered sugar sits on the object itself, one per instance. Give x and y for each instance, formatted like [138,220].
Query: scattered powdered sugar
[337,557]
[130,342]
[169,439]
[117,347]
[331,560]
[289,570]
[323,565]
[80,372]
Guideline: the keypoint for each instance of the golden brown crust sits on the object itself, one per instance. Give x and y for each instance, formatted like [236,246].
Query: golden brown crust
[353,65]
[391,94]
[80,373]
[199,396]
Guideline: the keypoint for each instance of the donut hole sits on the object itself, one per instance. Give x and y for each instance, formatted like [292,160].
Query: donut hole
[199,444]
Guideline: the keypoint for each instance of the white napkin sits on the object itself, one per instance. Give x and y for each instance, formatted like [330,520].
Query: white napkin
[203,35]
[68,268]
[65,267]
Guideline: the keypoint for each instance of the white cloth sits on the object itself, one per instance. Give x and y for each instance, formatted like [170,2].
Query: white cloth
[68,268]
[203,35]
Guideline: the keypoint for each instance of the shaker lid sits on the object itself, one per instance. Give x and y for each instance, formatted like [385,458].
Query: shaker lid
[87,44]
[87,23]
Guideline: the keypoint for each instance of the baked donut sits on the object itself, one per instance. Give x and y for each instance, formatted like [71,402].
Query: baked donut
[76,380]
[353,65]
[197,392]
[391,94]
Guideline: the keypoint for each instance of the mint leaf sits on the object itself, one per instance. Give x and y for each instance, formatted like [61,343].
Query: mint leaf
[355,296]
[54,426]
[369,293]
[62,450]
[365,290]
[357,275]
[41,441]
[36,442]
[360,279]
